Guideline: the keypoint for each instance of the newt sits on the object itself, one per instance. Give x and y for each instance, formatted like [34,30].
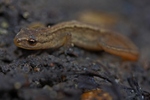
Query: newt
[80,34]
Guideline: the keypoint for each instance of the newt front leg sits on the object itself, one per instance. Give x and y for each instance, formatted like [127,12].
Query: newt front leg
[82,35]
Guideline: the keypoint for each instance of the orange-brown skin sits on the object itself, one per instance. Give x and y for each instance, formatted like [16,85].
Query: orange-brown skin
[81,34]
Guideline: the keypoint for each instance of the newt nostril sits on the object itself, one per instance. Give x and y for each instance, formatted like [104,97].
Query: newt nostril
[18,40]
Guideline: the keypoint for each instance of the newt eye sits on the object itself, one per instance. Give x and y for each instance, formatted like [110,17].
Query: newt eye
[32,42]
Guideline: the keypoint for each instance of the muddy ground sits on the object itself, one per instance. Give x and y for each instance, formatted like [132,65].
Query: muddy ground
[47,75]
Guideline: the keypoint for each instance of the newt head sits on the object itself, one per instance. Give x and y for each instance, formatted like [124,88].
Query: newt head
[38,38]
[25,39]
[28,39]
